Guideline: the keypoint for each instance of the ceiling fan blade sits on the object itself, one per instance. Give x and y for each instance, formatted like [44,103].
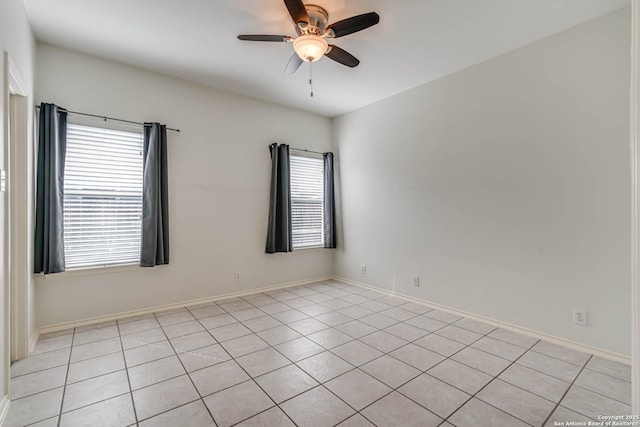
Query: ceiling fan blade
[294,63]
[342,56]
[353,24]
[263,38]
[297,11]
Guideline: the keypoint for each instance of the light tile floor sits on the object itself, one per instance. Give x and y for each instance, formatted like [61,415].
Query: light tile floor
[318,355]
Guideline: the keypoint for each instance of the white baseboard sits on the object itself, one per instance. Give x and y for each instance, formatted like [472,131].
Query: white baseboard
[33,341]
[605,354]
[4,408]
[122,315]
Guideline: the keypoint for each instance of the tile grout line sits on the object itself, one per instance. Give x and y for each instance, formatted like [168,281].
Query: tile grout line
[567,391]
[425,372]
[185,369]
[241,367]
[492,380]
[598,393]
[97,401]
[582,368]
[251,378]
[277,405]
[382,355]
[77,382]
[527,350]
[393,389]
[320,384]
[376,358]
[544,373]
[126,370]
[388,354]
[66,377]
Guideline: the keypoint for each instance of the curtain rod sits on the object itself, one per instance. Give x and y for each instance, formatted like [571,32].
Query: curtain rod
[305,150]
[106,118]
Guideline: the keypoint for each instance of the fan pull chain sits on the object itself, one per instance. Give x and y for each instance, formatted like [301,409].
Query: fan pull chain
[311,78]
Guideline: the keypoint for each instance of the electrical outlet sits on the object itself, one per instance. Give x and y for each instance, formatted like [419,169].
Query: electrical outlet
[580,317]
[236,277]
[363,269]
[416,282]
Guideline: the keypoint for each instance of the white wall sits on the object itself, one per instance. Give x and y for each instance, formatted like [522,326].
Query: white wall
[17,40]
[504,187]
[219,172]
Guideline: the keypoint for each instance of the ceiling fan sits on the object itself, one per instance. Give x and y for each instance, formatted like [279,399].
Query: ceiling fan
[311,26]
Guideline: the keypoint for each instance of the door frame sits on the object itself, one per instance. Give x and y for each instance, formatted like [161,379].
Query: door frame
[635,208]
[17,228]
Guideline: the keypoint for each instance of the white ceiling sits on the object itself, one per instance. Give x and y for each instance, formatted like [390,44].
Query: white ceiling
[416,41]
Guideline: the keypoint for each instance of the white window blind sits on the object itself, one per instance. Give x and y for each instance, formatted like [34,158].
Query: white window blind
[102,197]
[307,200]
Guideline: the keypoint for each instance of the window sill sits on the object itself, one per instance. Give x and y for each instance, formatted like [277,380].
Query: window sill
[308,248]
[92,271]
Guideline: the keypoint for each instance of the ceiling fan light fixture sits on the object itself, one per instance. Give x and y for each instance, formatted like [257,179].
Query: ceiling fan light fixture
[310,47]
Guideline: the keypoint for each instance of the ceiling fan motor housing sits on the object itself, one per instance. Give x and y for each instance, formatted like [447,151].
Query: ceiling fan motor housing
[319,18]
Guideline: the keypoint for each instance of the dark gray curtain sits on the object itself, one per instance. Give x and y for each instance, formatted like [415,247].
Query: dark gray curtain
[330,240]
[155,197]
[279,232]
[52,148]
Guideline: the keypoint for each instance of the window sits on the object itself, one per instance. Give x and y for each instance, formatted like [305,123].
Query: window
[307,201]
[102,197]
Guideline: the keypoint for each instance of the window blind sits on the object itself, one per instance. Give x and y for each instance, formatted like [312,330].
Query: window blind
[102,197]
[307,194]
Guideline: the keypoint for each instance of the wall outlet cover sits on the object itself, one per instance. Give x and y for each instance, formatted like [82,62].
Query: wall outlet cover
[580,316]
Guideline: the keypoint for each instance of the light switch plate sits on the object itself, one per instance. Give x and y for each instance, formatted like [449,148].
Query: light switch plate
[3,180]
